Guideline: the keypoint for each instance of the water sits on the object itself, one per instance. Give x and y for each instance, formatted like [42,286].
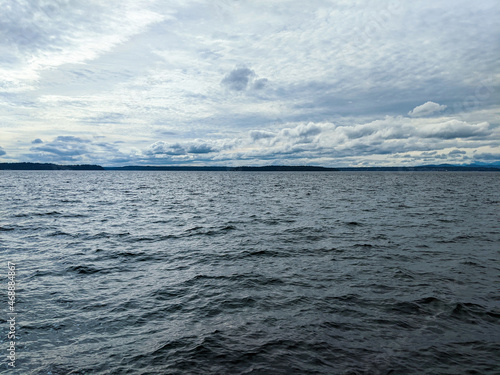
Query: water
[252,273]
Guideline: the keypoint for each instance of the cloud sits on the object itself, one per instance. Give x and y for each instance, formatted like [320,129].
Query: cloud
[68,150]
[38,35]
[37,141]
[238,79]
[322,82]
[261,134]
[455,153]
[177,149]
[326,143]
[63,149]
[426,109]
[71,139]
[2,151]
[202,148]
[487,157]
[453,129]
[241,79]
[331,143]
[162,148]
[259,84]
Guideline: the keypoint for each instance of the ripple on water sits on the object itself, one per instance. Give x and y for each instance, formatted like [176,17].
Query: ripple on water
[254,273]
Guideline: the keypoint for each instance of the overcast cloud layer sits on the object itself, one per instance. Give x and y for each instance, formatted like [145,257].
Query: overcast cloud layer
[332,83]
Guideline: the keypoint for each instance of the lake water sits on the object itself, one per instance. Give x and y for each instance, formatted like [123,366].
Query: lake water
[252,273]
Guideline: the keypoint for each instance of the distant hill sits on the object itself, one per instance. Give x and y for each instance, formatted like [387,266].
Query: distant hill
[49,166]
[88,167]
[428,168]
[269,168]
[284,168]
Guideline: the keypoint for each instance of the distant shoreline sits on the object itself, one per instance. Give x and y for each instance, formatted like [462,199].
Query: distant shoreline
[269,168]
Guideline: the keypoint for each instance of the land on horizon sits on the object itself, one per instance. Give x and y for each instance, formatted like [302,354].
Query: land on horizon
[267,168]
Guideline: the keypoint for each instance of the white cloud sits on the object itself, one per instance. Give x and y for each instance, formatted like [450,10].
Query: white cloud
[249,79]
[426,109]
[330,143]
[43,35]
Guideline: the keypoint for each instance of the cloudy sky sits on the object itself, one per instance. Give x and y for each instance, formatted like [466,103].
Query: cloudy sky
[250,82]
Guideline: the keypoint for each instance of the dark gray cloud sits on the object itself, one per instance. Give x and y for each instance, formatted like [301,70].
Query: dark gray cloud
[73,149]
[261,134]
[61,149]
[202,148]
[259,84]
[457,153]
[238,79]
[67,148]
[487,157]
[177,149]
[241,79]
[162,148]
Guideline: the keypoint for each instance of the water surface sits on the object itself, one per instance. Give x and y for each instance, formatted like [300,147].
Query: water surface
[253,273]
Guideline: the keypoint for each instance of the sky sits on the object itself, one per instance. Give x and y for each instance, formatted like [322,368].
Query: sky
[233,83]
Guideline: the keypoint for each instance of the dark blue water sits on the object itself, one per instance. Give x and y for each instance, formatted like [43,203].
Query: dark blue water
[252,273]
